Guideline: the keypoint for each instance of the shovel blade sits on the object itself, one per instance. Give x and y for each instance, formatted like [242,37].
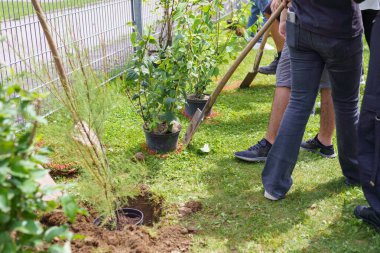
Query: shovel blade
[248,80]
[194,123]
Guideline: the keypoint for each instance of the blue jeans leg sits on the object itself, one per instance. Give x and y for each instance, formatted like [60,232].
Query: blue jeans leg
[258,7]
[309,53]
[307,72]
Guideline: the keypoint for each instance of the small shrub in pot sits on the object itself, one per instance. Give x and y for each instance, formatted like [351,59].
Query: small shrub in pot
[155,87]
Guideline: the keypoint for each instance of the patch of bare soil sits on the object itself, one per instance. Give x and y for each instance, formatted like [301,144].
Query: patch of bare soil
[232,86]
[189,208]
[61,170]
[130,238]
[145,148]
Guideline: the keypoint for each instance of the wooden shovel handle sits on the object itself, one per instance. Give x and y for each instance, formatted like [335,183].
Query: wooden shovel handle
[239,60]
[260,52]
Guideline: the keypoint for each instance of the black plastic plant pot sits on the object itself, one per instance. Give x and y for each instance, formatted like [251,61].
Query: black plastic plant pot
[162,143]
[192,104]
[128,212]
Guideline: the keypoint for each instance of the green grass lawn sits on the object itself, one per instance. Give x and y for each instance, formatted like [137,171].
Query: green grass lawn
[316,216]
[15,10]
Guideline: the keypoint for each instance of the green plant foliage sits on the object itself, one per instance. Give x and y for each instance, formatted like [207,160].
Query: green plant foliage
[155,82]
[21,197]
[206,43]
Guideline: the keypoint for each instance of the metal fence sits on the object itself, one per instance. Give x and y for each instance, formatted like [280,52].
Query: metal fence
[100,27]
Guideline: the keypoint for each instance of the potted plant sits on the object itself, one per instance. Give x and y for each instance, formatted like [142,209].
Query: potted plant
[207,47]
[155,86]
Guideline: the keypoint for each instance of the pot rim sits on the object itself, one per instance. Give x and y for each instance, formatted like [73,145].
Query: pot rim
[197,99]
[125,212]
[157,134]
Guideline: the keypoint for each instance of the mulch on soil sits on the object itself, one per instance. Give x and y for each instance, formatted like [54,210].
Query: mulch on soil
[145,147]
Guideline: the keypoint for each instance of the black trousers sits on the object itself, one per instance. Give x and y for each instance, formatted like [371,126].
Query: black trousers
[368,18]
[369,126]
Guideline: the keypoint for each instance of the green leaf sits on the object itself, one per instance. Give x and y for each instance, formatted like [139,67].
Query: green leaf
[28,186]
[69,207]
[134,38]
[41,159]
[53,232]
[6,243]
[4,201]
[152,40]
[169,101]
[30,227]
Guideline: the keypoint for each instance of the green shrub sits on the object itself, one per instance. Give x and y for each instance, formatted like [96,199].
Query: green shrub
[21,197]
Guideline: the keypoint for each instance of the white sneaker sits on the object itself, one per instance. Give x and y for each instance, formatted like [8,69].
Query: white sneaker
[270,197]
[267,47]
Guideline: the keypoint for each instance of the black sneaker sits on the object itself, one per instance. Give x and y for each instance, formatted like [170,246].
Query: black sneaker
[315,146]
[272,67]
[368,215]
[257,153]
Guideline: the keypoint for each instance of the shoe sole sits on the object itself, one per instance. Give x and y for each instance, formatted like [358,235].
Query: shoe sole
[319,153]
[374,225]
[257,159]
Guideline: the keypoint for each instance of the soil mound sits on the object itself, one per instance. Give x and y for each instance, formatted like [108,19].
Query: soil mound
[132,239]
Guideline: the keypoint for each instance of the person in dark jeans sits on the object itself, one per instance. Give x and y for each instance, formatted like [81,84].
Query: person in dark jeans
[369,136]
[319,33]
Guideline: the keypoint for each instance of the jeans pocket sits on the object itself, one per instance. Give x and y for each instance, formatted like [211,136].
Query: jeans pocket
[292,34]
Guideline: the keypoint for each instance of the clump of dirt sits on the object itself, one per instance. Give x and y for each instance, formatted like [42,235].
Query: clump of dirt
[138,157]
[189,208]
[56,218]
[195,206]
[59,170]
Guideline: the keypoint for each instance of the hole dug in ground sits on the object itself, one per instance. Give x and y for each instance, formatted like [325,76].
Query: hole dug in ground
[131,238]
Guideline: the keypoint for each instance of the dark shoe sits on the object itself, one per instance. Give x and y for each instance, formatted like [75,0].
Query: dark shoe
[257,153]
[368,215]
[351,182]
[272,67]
[315,146]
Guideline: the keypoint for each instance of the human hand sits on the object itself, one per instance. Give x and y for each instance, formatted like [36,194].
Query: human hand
[274,5]
[286,3]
